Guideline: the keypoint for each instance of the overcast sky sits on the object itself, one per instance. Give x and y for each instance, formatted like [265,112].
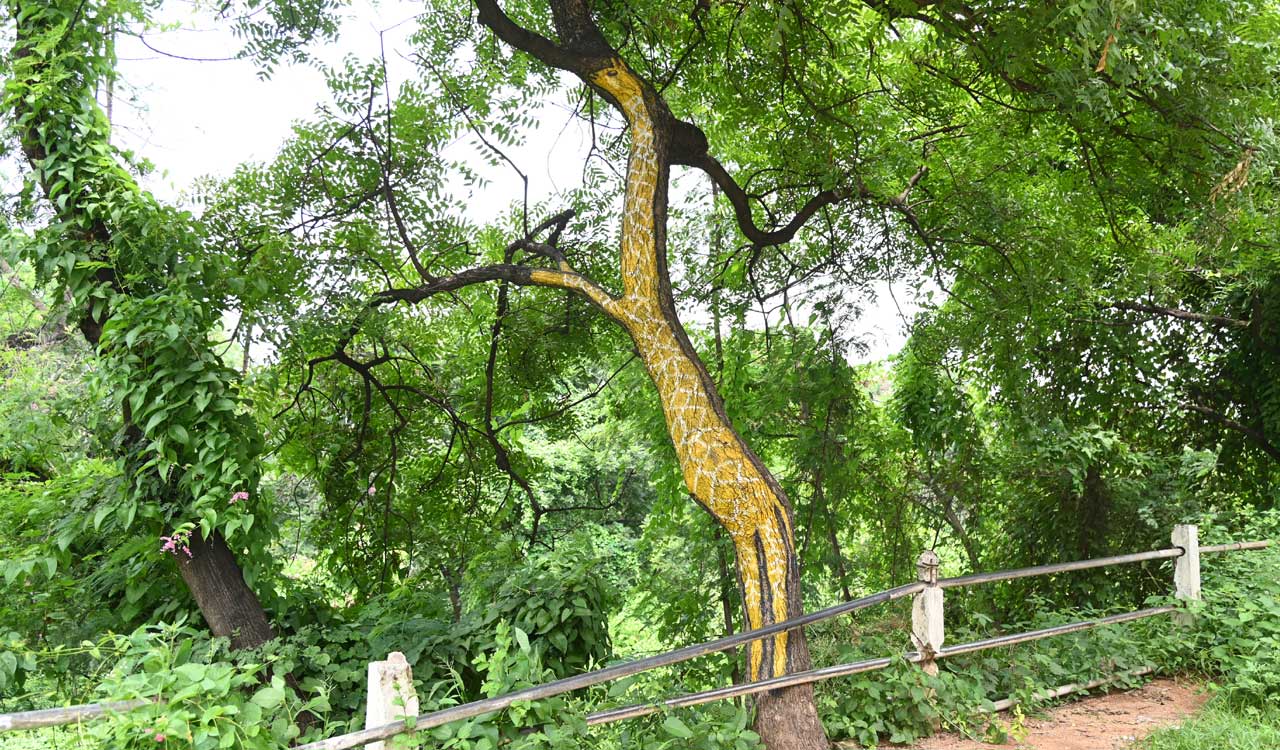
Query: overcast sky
[203,116]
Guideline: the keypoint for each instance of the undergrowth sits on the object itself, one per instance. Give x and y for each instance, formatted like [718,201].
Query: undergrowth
[212,698]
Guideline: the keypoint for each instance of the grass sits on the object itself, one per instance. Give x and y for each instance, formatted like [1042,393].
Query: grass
[1222,725]
[45,739]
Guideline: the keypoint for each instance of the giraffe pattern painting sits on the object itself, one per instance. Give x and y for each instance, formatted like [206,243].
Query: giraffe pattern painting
[719,469]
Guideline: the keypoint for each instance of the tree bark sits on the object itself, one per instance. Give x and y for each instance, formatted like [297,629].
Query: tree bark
[729,481]
[228,604]
[721,472]
[719,469]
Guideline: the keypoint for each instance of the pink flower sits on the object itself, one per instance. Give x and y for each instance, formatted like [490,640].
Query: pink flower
[238,497]
[372,490]
[179,541]
[159,737]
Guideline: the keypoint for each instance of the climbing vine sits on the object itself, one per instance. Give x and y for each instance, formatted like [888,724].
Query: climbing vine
[134,271]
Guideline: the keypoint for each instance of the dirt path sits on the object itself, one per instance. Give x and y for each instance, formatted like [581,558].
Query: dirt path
[1104,722]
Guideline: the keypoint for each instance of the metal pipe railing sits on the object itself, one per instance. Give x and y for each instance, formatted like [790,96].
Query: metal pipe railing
[569,684]
[71,714]
[1035,635]
[974,579]
[1234,546]
[53,717]
[841,670]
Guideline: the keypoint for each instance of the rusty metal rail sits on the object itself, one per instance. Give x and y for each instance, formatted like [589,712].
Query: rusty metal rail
[841,670]
[1043,570]
[1234,547]
[569,684]
[53,717]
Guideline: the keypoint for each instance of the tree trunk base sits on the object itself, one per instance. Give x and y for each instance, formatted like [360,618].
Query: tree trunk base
[787,719]
[217,584]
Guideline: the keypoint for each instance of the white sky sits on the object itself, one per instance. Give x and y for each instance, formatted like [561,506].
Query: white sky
[199,118]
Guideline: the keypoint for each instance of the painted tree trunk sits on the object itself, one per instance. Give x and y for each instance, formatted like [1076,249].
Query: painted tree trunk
[721,472]
[730,482]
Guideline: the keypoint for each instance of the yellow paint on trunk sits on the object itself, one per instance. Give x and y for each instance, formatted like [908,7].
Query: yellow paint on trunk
[717,468]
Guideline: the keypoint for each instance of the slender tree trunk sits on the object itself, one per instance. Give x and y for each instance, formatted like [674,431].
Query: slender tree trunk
[842,574]
[453,581]
[731,483]
[966,541]
[721,472]
[820,498]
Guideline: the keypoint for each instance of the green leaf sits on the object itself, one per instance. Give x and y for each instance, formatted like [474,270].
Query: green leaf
[268,697]
[8,667]
[677,728]
[191,672]
[100,514]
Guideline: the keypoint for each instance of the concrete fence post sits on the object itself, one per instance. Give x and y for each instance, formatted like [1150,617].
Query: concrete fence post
[927,631]
[1186,569]
[391,693]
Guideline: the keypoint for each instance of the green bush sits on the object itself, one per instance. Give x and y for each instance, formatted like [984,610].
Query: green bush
[1236,637]
[205,697]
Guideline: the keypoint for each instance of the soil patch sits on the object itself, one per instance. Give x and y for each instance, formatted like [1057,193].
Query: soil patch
[1102,722]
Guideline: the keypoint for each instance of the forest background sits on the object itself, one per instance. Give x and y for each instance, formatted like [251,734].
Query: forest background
[1082,197]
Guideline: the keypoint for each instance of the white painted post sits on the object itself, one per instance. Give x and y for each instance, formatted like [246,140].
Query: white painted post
[927,631]
[1186,569]
[391,693]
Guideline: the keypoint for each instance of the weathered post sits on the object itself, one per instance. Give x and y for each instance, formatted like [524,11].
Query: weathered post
[927,630]
[1186,568]
[391,693]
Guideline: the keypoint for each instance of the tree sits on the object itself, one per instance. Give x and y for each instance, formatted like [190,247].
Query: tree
[963,142]
[144,298]
[1029,161]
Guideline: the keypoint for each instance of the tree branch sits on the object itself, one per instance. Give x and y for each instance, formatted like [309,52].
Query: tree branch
[1258,436]
[510,272]
[15,283]
[522,39]
[740,201]
[1170,312]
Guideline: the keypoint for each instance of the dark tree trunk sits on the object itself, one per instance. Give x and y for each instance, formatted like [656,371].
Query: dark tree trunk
[786,720]
[833,537]
[229,606]
[1095,512]
[453,581]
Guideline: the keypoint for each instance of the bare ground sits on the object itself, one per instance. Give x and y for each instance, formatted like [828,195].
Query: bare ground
[1104,722]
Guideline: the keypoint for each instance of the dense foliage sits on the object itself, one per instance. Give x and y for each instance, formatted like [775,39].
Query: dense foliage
[1080,197]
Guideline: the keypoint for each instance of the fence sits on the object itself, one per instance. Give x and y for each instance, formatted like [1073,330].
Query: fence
[391,691]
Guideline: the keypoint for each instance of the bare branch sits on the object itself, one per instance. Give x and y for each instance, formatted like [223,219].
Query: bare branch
[1257,436]
[515,274]
[740,201]
[1170,312]
[522,39]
